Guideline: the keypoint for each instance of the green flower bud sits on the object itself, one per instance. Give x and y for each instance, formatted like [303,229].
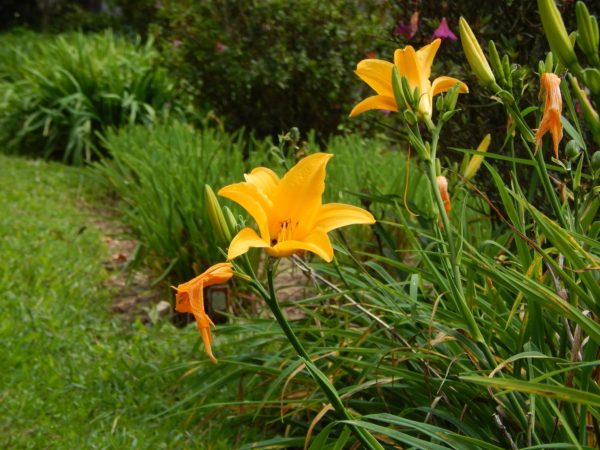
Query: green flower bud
[496,63]
[408,93]
[410,117]
[596,160]
[295,134]
[572,149]
[215,215]
[556,33]
[397,88]
[474,54]
[439,103]
[506,70]
[451,98]
[592,79]
[549,62]
[587,28]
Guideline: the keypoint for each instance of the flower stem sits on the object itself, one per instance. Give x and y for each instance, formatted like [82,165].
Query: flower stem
[368,441]
[456,279]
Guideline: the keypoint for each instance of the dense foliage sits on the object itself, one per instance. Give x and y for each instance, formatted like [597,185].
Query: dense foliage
[270,65]
[60,92]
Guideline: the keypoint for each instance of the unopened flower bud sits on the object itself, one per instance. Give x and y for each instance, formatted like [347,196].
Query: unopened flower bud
[596,160]
[572,149]
[442,183]
[587,29]
[476,160]
[215,215]
[474,54]
[556,33]
[397,88]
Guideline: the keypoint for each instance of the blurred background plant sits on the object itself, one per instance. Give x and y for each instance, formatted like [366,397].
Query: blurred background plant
[270,65]
[60,92]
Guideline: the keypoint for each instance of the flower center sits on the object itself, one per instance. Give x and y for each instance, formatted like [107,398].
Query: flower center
[286,231]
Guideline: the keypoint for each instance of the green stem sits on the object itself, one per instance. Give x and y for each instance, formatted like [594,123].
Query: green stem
[456,279]
[368,441]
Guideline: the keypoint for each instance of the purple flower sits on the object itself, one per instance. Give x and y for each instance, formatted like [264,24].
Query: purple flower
[443,31]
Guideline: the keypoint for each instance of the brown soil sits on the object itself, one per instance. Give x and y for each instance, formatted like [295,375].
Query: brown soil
[133,293]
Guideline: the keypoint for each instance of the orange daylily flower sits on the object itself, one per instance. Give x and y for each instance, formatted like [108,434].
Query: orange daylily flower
[416,66]
[442,183]
[190,299]
[551,120]
[289,212]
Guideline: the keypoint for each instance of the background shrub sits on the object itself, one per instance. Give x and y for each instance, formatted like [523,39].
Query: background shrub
[271,64]
[60,92]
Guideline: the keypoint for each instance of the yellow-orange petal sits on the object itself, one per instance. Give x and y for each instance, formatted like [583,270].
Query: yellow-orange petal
[409,66]
[443,84]
[207,340]
[377,74]
[243,241]
[249,197]
[298,195]
[336,215]
[374,102]
[264,179]
[425,56]
[316,242]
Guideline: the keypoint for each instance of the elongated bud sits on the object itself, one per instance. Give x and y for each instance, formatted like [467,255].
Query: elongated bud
[592,79]
[215,215]
[589,113]
[397,88]
[476,160]
[411,100]
[442,183]
[451,97]
[587,28]
[549,62]
[230,218]
[556,33]
[474,54]
[496,64]
[506,70]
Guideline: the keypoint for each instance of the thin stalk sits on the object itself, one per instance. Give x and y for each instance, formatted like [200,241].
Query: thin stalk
[368,441]
[456,282]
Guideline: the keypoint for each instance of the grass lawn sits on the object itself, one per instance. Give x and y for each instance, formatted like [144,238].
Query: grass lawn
[73,374]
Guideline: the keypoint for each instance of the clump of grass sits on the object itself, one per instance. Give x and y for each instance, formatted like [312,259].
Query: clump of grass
[160,174]
[70,88]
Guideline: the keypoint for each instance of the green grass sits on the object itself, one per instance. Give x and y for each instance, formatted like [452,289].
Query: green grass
[74,375]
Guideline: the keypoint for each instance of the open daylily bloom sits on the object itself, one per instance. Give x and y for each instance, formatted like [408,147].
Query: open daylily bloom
[551,120]
[416,66]
[190,299]
[288,211]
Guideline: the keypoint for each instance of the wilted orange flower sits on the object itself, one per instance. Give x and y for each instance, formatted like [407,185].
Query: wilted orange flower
[551,120]
[442,183]
[190,299]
